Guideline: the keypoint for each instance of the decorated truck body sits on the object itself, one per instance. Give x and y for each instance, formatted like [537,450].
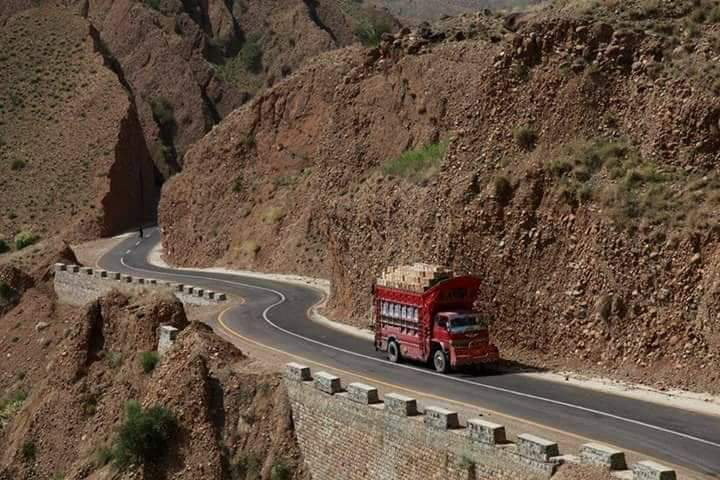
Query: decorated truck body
[425,314]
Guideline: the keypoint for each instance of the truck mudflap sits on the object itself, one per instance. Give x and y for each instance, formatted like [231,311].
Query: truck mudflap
[474,357]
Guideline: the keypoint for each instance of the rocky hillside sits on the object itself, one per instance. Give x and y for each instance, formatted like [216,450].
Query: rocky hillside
[568,157]
[417,11]
[82,395]
[72,153]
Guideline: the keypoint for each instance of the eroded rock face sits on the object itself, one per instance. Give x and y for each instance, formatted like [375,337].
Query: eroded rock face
[296,182]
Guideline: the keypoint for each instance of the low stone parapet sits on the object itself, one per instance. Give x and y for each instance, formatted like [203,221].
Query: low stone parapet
[79,285]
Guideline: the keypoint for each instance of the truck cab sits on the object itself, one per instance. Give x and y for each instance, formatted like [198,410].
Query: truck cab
[461,338]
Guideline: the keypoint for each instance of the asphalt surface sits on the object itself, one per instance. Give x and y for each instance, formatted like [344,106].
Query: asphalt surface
[275,314]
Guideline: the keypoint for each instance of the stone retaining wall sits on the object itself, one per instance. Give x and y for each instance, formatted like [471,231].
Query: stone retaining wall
[349,433]
[79,285]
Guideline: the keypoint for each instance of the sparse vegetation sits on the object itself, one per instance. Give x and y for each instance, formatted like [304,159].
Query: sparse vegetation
[526,137]
[154,4]
[280,471]
[4,247]
[144,436]
[114,359]
[417,165]
[10,406]
[25,239]
[237,185]
[149,361]
[103,456]
[163,111]
[248,466]
[273,215]
[17,165]
[503,190]
[250,247]
[251,54]
[370,30]
[28,451]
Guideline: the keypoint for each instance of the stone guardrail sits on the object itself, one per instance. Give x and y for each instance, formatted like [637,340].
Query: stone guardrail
[538,456]
[79,285]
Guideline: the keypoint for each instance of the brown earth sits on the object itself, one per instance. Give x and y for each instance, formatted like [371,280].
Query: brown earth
[67,375]
[579,180]
[71,147]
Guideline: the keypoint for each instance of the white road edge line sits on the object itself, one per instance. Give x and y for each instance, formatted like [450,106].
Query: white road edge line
[428,372]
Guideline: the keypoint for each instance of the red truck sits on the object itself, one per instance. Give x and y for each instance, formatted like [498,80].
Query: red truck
[432,322]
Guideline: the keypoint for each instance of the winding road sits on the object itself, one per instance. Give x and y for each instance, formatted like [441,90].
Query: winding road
[275,314]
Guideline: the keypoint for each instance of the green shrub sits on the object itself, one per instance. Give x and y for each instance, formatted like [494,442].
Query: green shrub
[503,190]
[163,111]
[149,361]
[4,247]
[251,54]
[10,406]
[103,456]
[28,451]
[280,471]
[370,30]
[237,184]
[525,137]
[17,165]
[154,4]
[25,239]
[144,435]
[419,164]
[249,466]
[7,293]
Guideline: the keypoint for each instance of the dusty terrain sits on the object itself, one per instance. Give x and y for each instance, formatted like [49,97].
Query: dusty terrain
[416,11]
[68,374]
[567,156]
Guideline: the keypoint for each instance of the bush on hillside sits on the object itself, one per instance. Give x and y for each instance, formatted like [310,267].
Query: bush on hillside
[25,239]
[144,436]
[525,137]
[163,112]
[149,361]
[419,164]
[251,54]
[370,30]
[4,247]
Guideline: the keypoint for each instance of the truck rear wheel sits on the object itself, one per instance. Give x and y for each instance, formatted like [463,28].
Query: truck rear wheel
[440,361]
[393,351]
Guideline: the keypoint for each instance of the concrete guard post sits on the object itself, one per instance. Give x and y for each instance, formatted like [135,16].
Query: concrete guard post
[297,373]
[649,470]
[537,448]
[361,393]
[441,419]
[327,383]
[603,455]
[486,432]
[400,405]
[166,339]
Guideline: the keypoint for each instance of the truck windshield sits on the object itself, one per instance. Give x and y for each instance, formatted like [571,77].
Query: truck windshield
[467,323]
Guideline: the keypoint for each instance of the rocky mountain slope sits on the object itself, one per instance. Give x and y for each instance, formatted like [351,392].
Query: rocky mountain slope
[99,100]
[72,153]
[416,11]
[568,157]
[71,379]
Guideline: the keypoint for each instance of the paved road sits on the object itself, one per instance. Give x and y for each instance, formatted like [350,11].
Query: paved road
[275,315]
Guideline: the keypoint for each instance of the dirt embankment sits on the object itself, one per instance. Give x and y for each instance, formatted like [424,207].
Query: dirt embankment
[565,157]
[69,375]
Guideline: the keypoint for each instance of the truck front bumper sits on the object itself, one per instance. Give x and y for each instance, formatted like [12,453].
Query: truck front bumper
[477,357]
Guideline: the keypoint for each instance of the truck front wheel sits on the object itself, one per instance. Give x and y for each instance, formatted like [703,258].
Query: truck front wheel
[393,351]
[440,361]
